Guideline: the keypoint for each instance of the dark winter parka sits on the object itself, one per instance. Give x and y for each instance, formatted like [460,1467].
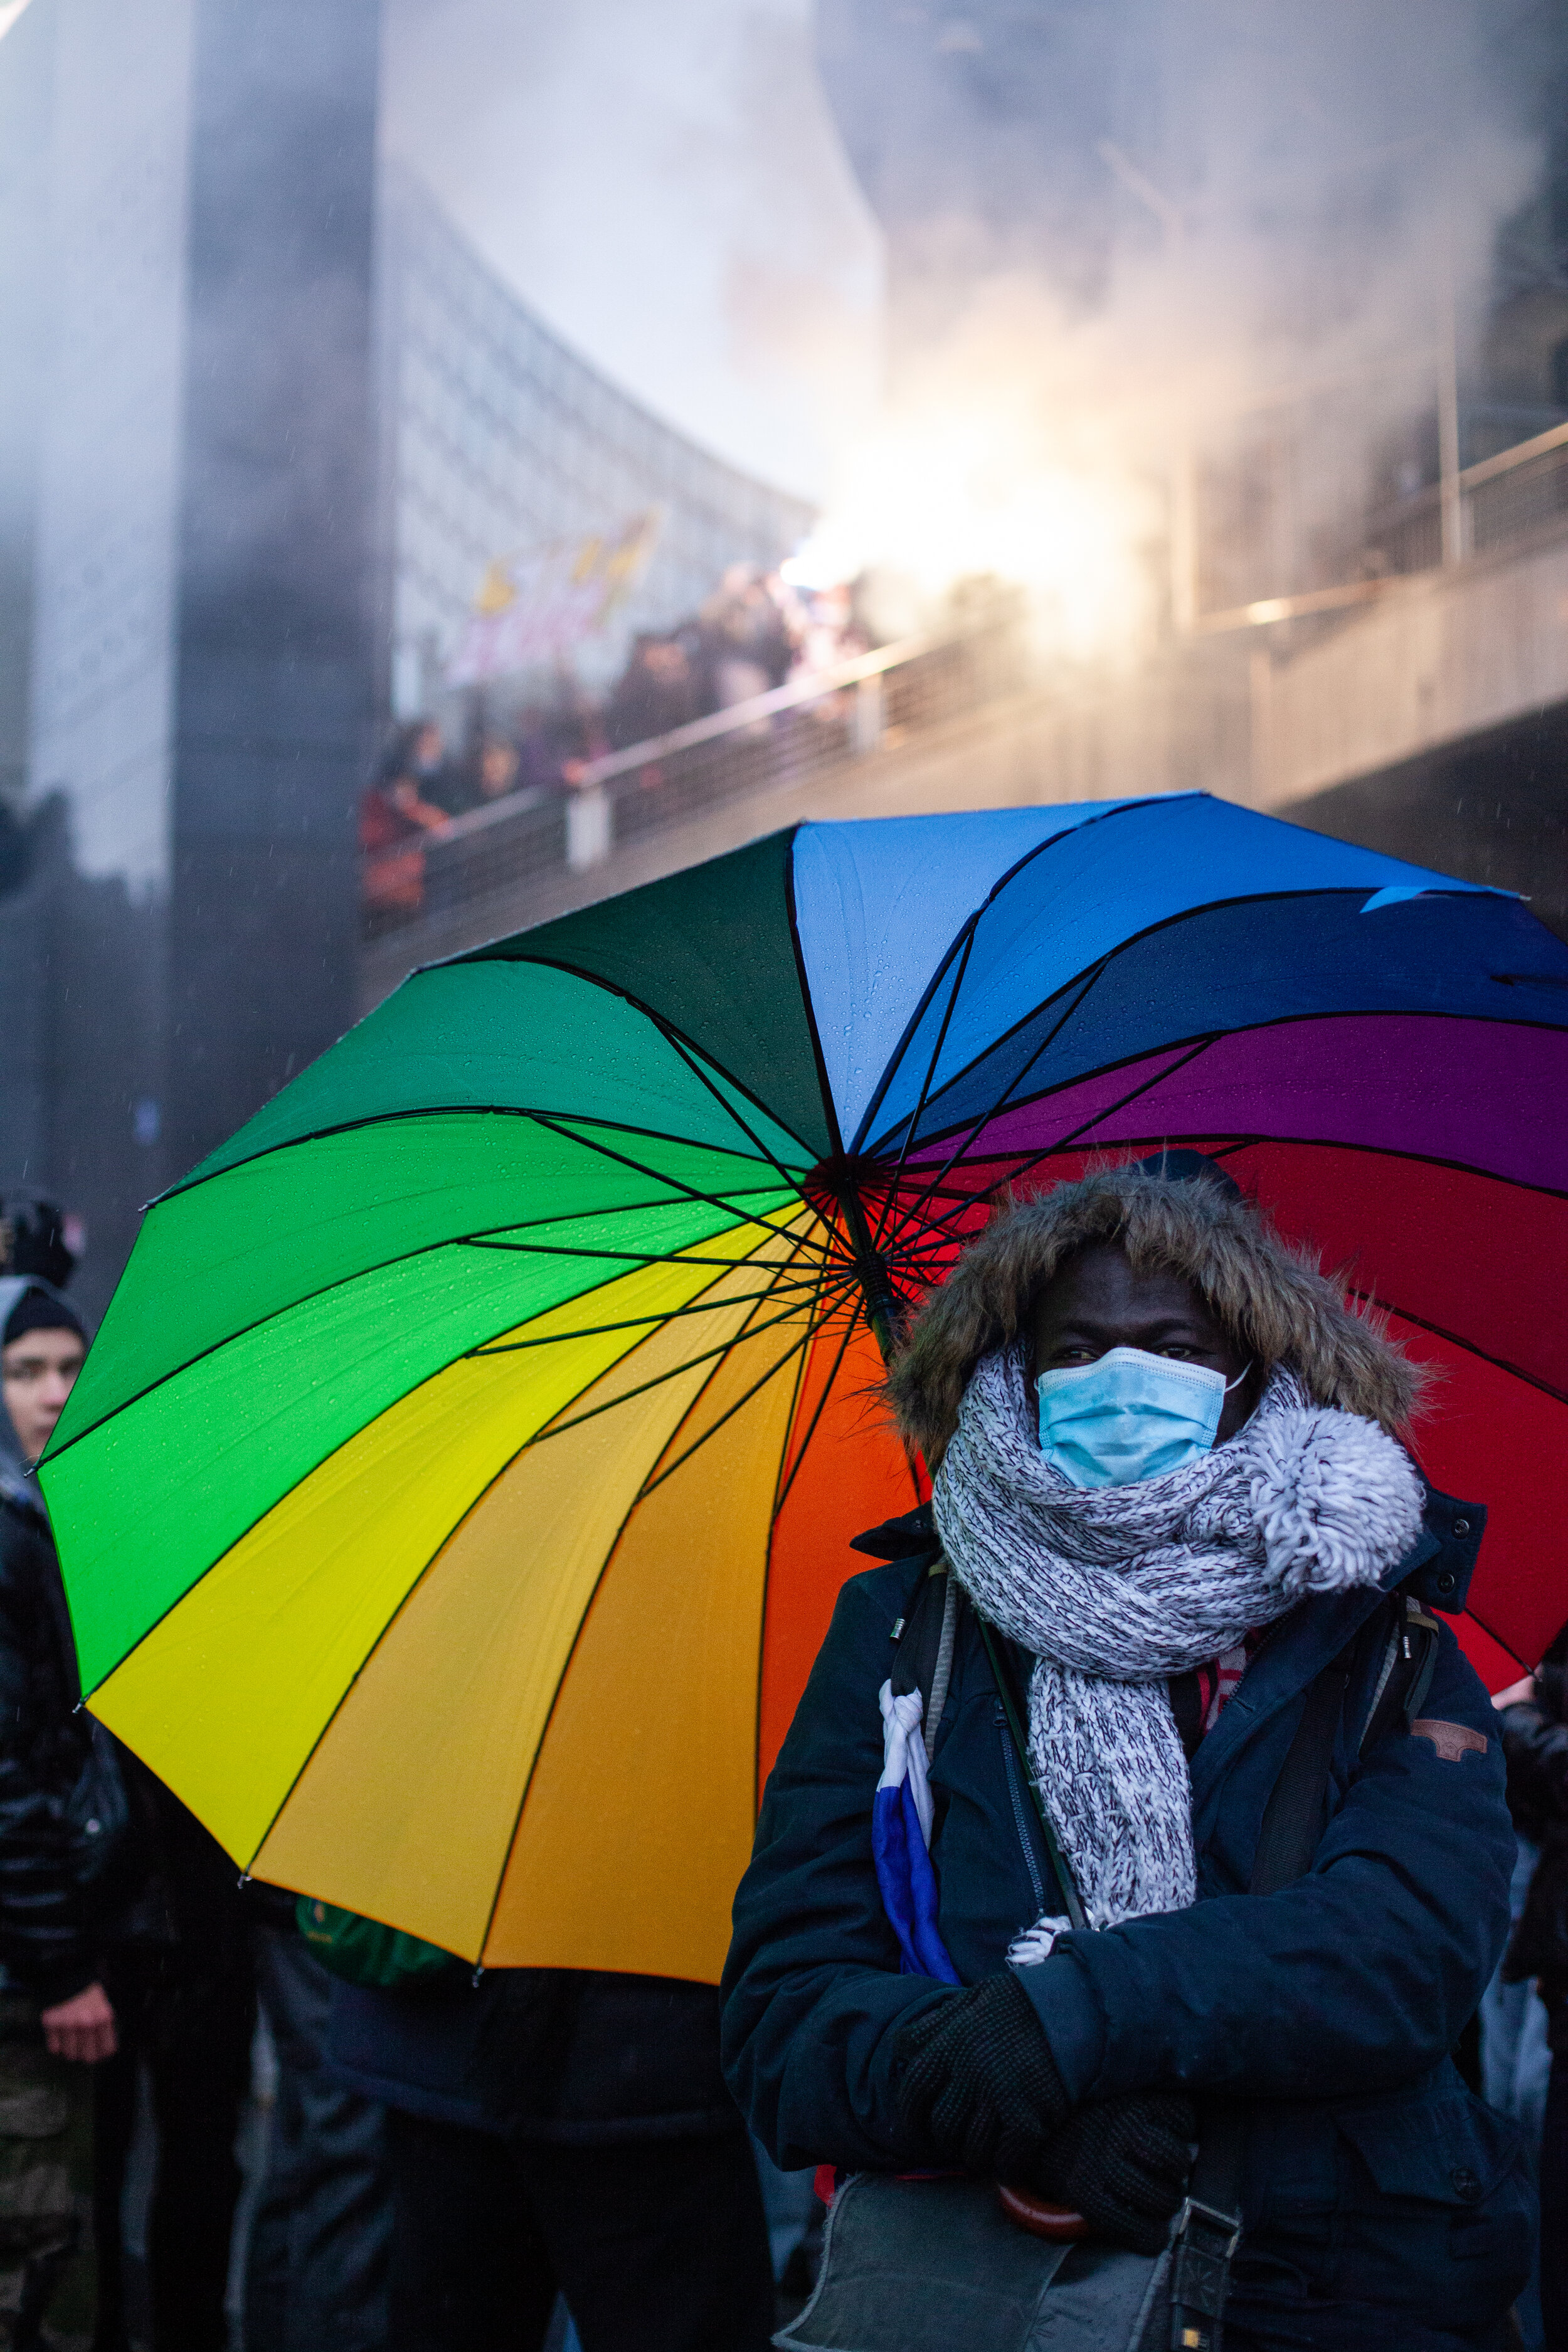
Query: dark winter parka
[1535,1742]
[63,1837]
[1382,2201]
[575,2056]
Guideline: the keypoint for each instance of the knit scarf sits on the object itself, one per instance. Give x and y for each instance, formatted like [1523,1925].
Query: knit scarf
[1113,1589]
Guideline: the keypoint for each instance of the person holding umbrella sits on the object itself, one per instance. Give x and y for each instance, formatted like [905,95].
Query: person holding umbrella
[1185,1571]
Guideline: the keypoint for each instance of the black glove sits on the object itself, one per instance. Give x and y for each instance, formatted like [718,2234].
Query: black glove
[976,2081]
[1123,2164]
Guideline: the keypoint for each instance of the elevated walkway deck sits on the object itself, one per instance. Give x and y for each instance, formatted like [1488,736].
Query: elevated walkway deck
[1425,713]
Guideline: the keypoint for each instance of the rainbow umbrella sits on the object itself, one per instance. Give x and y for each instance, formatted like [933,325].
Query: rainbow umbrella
[456,1494]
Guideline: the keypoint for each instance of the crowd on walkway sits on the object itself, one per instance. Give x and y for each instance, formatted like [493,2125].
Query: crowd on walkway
[756,631]
[450,2151]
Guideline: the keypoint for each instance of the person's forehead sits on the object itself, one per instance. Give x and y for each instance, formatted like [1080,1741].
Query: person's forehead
[53,1343]
[1102,1277]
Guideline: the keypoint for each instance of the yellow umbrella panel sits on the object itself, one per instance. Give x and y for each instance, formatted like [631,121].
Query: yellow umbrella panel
[355,1696]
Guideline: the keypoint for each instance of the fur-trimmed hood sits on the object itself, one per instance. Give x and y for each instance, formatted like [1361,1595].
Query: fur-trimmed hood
[1273,1300]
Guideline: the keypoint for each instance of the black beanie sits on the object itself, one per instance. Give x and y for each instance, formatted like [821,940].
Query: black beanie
[35,1310]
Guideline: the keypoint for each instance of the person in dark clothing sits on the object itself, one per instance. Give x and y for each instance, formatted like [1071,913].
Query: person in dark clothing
[62,1839]
[1535,1742]
[37,1238]
[396,814]
[180,1973]
[746,644]
[119,1918]
[1168,1498]
[657,692]
[320,2234]
[560,2130]
[490,774]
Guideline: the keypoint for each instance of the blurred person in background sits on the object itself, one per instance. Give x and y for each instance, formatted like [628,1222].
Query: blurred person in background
[489,775]
[63,1841]
[571,735]
[538,767]
[37,1238]
[745,636]
[828,631]
[423,767]
[486,773]
[173,1971]
[655,693]
[1535,1743]
[180,1975]
[395,814]
[560,2130]
[320,2235]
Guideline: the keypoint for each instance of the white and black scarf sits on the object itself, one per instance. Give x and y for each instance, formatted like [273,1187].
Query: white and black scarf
[1114,1589]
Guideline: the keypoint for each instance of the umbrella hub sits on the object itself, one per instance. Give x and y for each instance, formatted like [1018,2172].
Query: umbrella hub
[850,1191]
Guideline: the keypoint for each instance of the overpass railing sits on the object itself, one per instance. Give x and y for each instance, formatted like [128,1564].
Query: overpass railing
[1516,491]
[798,734]
[1520,489]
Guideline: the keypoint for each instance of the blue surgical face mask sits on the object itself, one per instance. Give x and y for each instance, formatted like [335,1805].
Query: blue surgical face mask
[1129,1416]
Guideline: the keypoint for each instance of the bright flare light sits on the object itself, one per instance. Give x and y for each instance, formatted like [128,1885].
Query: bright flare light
[1028,448]
[933,503]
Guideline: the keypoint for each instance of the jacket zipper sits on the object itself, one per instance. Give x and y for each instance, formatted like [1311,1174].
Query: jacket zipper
[1020,1809]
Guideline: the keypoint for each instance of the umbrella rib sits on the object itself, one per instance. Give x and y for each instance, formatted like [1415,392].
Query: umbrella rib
[914,1120]
[1065,1143]
[656,1020]
[703,1306]
[1004,1161]
[1261,1028]
[818,1325]
[409,1112]
[741,1334]
[559,1428]
[713,1200]
[584,1249]
[1492,1634]
[755,1389]
[971,925]
[979,1125]
[697,1070]
[1457,1340]
[782,1495]
[1191,914]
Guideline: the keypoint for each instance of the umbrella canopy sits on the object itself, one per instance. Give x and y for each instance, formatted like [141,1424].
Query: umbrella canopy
[457,1492]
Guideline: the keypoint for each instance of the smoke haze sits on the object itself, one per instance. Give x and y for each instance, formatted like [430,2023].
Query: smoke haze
[1231,244]
[667,187]
[1229,237]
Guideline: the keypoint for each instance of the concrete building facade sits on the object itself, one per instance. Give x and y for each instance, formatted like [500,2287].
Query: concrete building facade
[500,439]
[191,537]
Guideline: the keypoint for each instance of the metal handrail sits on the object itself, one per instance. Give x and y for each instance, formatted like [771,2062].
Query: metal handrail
[504,851]
[1423,505]
[1554,438]
[735,719]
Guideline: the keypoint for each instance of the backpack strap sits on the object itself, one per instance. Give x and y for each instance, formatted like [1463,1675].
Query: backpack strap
[925,1637]
[1409,1660]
